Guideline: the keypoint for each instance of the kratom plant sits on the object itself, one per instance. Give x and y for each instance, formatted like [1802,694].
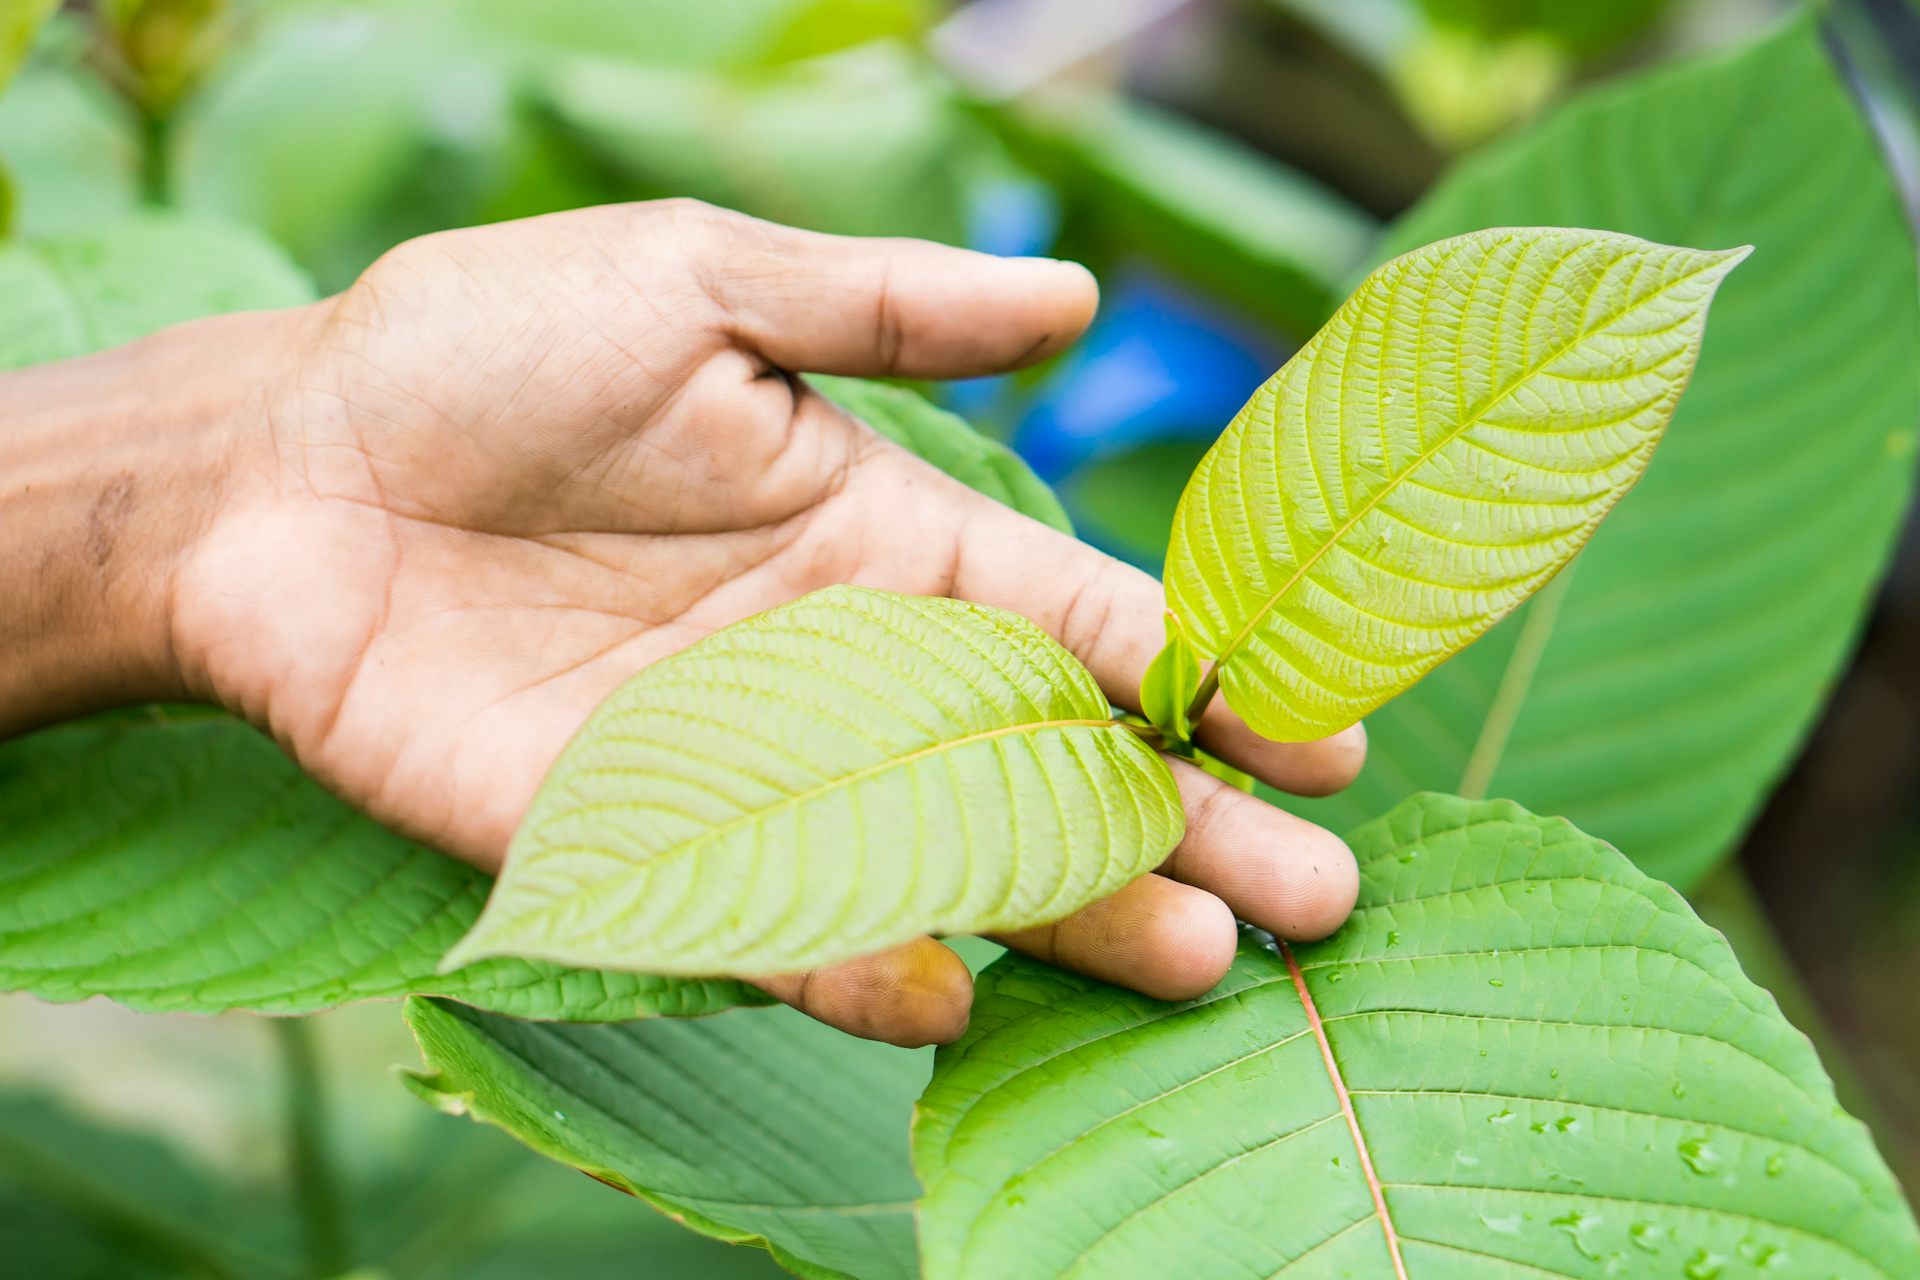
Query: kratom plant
[852,770]
[1522,1057]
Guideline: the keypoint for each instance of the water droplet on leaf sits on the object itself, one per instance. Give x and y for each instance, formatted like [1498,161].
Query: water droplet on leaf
[1576,1225]
[1703,1266]
[1699,1156]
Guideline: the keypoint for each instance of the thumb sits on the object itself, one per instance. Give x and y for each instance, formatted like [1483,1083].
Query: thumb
[818,303]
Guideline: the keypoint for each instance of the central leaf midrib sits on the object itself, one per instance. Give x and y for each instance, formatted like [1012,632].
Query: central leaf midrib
[1465,425]
[713,833]
[1344,1103]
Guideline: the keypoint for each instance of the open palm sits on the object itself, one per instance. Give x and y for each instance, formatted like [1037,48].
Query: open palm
[511,466]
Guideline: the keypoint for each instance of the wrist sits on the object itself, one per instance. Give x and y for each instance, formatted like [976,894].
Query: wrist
[111,466]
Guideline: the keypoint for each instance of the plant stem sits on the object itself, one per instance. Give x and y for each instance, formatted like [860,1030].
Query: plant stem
[1203,696]
[316,1188]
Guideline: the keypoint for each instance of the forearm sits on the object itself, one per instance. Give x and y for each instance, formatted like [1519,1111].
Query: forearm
[109,466]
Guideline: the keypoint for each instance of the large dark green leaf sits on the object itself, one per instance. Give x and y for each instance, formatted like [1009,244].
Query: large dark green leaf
[1521,1058]
[758,1127]
[1659,686]
[189,865]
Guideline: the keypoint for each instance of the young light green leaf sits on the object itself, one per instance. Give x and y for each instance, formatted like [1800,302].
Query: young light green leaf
[828,779]
[178,862]
[948,442]
[760,1127]
[1428,460]
[1656,692]
[1521,1058]
[1169,685]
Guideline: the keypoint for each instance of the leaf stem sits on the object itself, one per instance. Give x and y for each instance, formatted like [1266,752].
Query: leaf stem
[316,1187]
[1147,733]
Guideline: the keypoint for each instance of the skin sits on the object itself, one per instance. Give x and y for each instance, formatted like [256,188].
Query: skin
[417,531]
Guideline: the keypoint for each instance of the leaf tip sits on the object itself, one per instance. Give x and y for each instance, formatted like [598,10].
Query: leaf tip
[432,1088]
[1725,260]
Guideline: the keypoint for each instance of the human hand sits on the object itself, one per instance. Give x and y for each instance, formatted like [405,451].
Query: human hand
[513,465]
